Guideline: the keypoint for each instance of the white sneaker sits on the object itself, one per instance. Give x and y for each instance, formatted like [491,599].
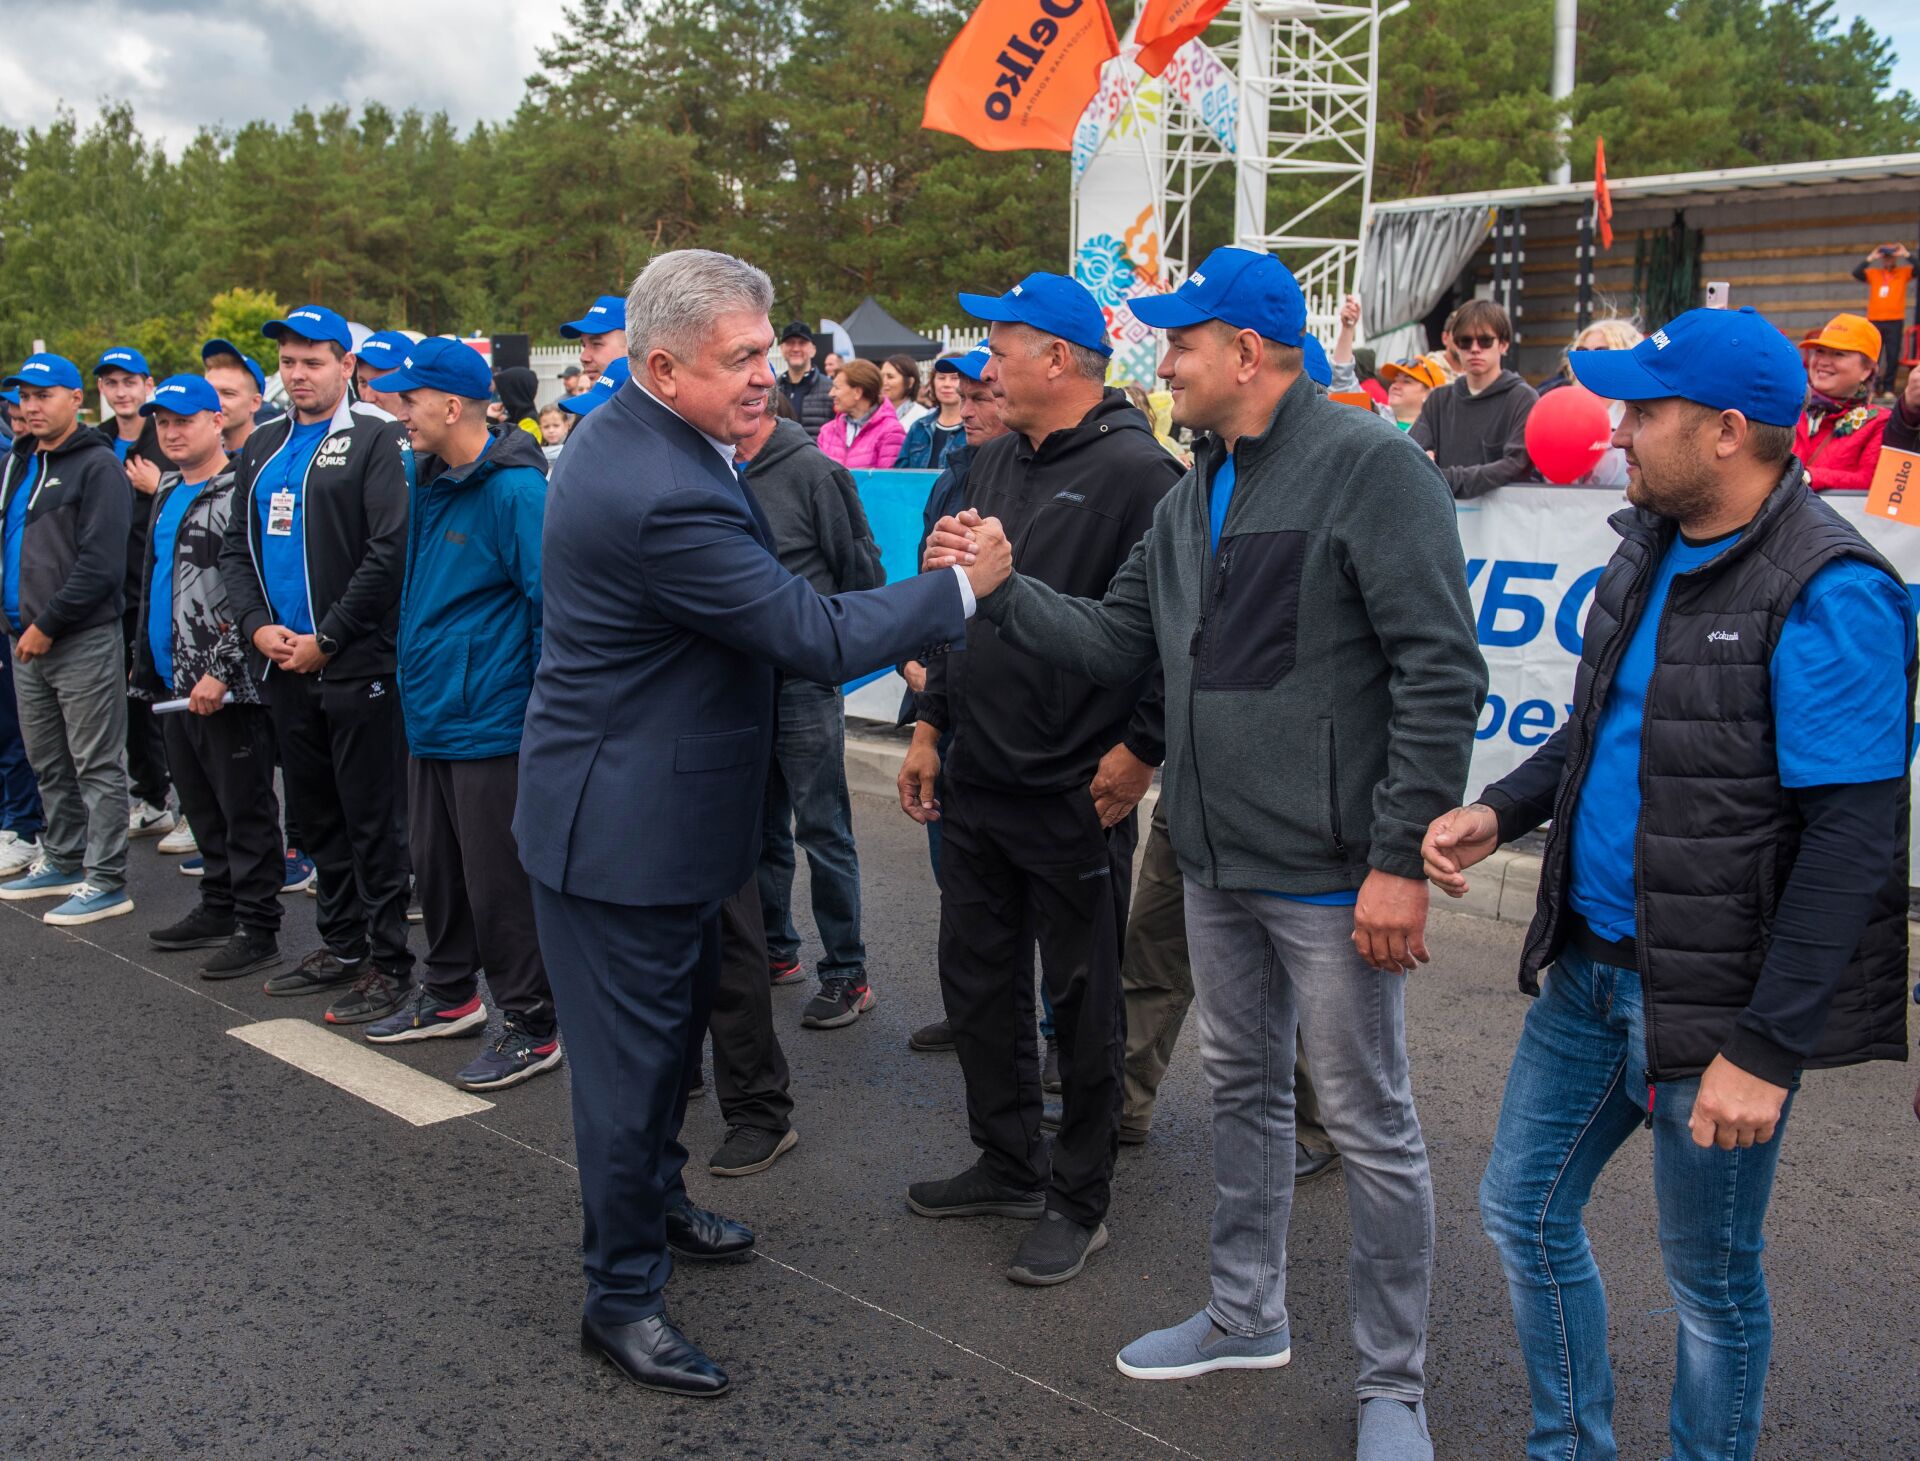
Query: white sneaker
[144,820]
[179,842]
[16,853]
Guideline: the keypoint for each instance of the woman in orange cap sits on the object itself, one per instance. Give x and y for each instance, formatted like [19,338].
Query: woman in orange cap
[1840,431]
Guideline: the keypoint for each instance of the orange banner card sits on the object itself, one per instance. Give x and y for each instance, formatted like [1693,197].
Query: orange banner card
[1352,398]
[1896,487]
[1167,25]
[1021,72]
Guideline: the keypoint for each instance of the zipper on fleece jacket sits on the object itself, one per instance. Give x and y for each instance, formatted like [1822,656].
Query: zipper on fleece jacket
[1214,585]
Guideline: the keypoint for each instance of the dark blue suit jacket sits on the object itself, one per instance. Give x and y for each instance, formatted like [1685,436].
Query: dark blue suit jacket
[666,616]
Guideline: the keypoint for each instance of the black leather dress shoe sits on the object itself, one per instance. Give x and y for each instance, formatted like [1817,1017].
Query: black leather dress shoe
[693,1232]
[651,1352]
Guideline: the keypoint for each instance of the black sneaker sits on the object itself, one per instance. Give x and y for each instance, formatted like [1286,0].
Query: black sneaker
[374,993]
[248,952]
[749,1149]
[200,929]
[1050,1068]
[1055,1250]
[514,1056]
[785,971]
[319,971]
[934,1037]
[974,1194]
[842,999]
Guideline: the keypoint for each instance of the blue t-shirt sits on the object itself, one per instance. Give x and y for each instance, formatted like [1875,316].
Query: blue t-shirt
[283,556]
[16,532]
[1839,677]
[166,533]
[121,446]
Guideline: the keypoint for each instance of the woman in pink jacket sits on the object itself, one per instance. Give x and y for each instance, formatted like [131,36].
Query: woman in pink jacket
[866,432]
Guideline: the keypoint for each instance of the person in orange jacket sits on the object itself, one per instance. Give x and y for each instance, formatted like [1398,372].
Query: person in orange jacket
[1887,272]
[1840,431]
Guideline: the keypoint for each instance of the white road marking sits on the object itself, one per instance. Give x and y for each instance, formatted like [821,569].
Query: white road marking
[376,1079]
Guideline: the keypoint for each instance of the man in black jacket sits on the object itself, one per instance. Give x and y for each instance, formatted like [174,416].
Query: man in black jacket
[807,390]
[313,564]
[1038,791]
[1723,897]
[1475,427]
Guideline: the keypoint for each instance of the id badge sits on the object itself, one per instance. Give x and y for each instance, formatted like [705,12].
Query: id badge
[280,515]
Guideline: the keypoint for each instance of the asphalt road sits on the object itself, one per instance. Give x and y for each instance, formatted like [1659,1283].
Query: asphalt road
[206,1250]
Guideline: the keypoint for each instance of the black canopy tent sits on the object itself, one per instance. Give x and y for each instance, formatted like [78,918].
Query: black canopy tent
[877,334]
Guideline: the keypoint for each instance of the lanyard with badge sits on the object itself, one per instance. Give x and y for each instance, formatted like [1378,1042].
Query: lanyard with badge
[280,506]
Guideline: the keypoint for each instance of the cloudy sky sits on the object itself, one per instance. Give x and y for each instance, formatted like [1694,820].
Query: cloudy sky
[184,63]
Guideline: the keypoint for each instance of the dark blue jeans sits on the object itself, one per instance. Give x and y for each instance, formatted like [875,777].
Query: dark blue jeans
[19,792]
[1577,1091]
[807,803]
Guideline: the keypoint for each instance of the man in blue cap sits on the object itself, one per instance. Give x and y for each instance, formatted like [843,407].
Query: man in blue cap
[615,375]
[602,333]
[473,582]
[1038,789]
[20,815]
[1750,659]
[1304,591]
[64,504]
[313,564]
[189,648]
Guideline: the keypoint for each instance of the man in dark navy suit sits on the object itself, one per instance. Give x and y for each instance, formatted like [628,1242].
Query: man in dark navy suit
[668,622]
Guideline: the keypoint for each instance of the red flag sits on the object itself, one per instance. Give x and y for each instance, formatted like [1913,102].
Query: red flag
[1602,199]
[1167,25]
[1021,72]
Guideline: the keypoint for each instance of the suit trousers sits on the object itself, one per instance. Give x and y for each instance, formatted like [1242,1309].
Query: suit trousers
[1015,868]
[749,1067]
[476,908]
[633,987]
[223,769]
[337,746]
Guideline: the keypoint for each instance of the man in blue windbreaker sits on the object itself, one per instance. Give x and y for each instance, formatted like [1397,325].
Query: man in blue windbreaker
[469,641]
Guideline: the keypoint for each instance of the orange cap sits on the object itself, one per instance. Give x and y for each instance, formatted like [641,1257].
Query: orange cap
[1848,332]
[1420,371]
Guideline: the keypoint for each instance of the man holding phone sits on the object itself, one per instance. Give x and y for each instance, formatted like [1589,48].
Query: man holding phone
[1887,272]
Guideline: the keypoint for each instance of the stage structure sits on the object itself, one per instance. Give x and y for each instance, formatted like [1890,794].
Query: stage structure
[1286,92]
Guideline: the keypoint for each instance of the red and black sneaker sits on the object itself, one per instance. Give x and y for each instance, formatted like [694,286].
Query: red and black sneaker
[426,1016]
[785,971]
[842,999]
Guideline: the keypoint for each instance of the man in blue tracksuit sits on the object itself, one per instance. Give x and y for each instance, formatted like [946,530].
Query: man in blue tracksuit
[469,641]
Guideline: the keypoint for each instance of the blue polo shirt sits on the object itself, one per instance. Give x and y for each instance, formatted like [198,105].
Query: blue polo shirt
[1839,675]
[121,446]
[166,534]
[283,557]
[15,534]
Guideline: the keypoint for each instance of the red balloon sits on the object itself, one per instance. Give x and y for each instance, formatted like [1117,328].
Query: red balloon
[1568,431]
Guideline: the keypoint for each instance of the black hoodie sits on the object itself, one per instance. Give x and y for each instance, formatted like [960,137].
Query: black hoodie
[1073,511]
[73,553]
[146,445]
[1478,442]
[820,530]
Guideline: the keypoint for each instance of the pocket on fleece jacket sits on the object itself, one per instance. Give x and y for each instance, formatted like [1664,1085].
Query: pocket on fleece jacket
[1253,613]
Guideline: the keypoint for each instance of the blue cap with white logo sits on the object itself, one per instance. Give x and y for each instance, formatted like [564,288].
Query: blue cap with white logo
[384,349]
[1050,303]
[970,365]
[45,370]
[218,346]
[10,396]
[311,322]
[608,312]
[184,395]
[440,364]
[1239,287]
[617,374]
[1319,368]
[1726,359]
[121,357]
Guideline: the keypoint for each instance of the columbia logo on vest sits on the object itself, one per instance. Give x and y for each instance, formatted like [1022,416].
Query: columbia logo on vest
[1723,636]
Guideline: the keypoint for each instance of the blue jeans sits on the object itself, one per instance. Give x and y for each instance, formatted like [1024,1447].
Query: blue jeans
[19,792]
[807,803]
[1578,1089]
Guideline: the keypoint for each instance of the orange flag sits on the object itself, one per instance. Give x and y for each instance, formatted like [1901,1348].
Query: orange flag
[1167,25]
[1021,72]
[1602,199]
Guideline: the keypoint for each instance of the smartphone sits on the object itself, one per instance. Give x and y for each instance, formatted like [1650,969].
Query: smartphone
[1717,291]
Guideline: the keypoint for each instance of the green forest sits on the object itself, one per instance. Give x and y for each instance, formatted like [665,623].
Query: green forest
[787,131]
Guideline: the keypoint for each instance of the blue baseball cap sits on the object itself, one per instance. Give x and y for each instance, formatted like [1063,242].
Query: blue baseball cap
[608,312]
[121,357]
[970,365]
[440,364]
[46,370]
[1239,287]
[218,346]
[1319,368]
[1050,303]
[1726,359]
[601,391]
[184,395]
[384,349]
[311,322]
[10,396]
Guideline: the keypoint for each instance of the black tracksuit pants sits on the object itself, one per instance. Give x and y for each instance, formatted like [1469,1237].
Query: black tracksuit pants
[749,1067]
[337,749]
[1013,868]
[474,895]
[146,741]
[223,770]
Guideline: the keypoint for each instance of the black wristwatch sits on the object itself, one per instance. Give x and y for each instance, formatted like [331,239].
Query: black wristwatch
[329,646]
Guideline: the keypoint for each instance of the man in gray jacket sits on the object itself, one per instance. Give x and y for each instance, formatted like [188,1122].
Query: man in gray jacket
[1304,592]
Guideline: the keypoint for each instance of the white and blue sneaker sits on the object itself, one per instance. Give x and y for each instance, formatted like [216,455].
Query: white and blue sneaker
[194,867]
[89,905]
[41,880]
[1198,1347]
[17,854]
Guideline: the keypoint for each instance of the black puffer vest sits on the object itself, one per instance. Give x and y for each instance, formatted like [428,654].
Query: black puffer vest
[1718,834]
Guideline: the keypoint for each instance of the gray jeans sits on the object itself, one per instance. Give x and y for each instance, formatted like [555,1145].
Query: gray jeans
[1265,968]
[73,720]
